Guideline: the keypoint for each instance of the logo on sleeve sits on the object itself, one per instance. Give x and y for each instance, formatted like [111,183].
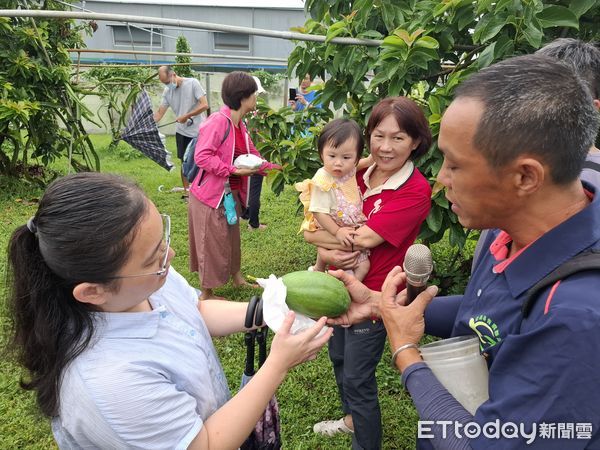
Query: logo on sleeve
[487,331]
[376,207]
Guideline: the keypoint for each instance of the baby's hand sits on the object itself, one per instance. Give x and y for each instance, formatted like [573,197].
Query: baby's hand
[345,235]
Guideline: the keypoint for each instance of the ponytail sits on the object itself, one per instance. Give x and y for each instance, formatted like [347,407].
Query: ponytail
[47,333]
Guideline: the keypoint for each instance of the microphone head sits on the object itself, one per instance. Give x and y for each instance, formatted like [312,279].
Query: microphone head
[418,264]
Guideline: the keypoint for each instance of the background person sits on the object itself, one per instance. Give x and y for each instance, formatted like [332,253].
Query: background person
[215,247]
[584,59]
[187,99]
[514,141]
[117,345]
[305,97]
[252,212]
[396,201]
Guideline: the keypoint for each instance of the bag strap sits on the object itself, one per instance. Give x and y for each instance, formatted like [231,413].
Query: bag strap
[584,261]
[250,335]
[261,334]
[227,131]
[591,165]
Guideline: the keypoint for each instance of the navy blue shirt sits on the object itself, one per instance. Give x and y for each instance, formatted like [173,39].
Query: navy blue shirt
[544,369]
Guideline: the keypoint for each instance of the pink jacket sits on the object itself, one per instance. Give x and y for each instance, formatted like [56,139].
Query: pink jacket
[215,160]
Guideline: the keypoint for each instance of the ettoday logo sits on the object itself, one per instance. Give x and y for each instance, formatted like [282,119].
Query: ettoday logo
[486,329]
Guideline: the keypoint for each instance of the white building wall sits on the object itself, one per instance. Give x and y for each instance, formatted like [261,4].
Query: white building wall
[200,41]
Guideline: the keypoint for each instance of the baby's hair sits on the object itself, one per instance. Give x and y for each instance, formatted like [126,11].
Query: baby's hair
[339,131]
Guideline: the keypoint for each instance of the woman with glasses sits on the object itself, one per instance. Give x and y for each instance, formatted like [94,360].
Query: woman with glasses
[117,346]
[215,250]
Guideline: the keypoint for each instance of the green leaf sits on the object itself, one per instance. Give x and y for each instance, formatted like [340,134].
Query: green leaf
[395,86]
[483,5]
[503,4]
[441,200]
[435,218]
[464,17]
[381,77]
[293,59]
[393,41]
[533,35]
[457,235]
[396,54]
[427,42]
[434,104]
[338,25]
[557,16]
[504,46]
[580,7]
[486,56]
[334,33]
[434,118]
[370,34]
[441,8]
[339,100]
[389,16]
[419,60]
[488,27]
[428,53]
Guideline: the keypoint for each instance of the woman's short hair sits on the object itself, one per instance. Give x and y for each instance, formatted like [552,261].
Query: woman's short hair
[236,87]
[410,119]
[339,131]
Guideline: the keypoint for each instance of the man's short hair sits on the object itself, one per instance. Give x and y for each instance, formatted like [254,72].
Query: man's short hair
[168,70]
[236,87]
[534,105]
[583,57]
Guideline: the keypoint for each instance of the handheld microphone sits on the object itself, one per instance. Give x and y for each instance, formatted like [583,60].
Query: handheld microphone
[418,265]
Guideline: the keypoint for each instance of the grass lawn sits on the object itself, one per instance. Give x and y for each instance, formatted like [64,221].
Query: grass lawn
[309,393]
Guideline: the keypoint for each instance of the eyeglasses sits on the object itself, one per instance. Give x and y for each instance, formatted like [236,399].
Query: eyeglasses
[167,240]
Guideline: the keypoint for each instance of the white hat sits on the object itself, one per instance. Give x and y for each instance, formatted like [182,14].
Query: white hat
[259,89]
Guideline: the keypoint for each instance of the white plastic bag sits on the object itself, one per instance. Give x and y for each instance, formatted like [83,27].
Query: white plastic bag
[248,161]
[275,309]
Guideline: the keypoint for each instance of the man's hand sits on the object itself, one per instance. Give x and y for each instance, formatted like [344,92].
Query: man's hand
[182,119]
[404,324]
[364,301]
[345,236]
[339,258]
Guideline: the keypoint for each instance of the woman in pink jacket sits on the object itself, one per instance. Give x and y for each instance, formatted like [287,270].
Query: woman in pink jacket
[215,251]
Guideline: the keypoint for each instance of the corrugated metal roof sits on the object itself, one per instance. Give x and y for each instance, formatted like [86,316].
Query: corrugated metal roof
[273,4]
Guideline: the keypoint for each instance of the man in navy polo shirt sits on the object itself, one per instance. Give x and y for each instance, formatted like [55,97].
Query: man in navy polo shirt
[514,142]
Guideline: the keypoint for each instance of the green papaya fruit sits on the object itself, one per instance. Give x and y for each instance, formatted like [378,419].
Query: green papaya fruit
[316,294]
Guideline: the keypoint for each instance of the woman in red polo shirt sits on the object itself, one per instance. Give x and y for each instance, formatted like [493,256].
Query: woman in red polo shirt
[396,201]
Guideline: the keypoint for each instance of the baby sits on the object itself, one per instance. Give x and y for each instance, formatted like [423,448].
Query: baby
[331,199]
